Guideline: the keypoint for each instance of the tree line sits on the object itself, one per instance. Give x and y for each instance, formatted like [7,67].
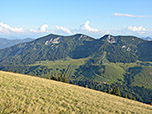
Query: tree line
[59,77]
[116,91]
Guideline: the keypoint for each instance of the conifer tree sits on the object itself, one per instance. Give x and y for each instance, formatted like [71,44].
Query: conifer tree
[117,92]
[54,77]
[65,79]
[130,96]
[134,98]
[72,82]
[60,77]
[51,77]
[126,95]
[108,90]
[114,90]
[86,86]
[105,90]
[91,87]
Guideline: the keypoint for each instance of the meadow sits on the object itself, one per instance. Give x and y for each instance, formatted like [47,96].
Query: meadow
[23,94]
[62,65]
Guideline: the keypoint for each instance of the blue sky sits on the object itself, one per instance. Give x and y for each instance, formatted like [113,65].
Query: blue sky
[35,18]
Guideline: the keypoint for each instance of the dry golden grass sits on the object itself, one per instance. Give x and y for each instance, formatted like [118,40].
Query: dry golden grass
[21,94]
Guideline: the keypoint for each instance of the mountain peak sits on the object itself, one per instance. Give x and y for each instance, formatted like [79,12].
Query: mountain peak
[109,38]
[47,38]
[79,35]
[83,37]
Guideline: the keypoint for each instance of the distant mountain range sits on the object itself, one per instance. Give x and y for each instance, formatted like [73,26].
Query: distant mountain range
[124,61]
[147,38]
[4,43]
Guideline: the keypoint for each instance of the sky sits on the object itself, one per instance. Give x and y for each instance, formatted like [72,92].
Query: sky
[36,18]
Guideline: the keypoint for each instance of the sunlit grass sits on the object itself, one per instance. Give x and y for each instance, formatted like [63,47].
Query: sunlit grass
[31,95]
[58,65]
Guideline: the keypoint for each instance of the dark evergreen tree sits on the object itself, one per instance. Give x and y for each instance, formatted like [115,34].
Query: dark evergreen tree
[51,77]
[91,87]
[54,77]
[114,90]
[108,90]
[130,96]
[117,92]
[134,98]
[60,78]
[65,79]
[72,82]
[126,95]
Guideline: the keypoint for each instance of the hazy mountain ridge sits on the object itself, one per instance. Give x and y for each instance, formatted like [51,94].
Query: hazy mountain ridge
[4,43]
[147,38]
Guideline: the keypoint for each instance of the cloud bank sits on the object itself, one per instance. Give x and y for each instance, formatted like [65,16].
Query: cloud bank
[7,29]
[18,32]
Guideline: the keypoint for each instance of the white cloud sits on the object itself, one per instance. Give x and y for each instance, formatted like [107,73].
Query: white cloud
[125,15]
[1,29]
[17,32]
[88,28]
[33,30]
[6,28]
[42,29]
[63,29]
[136,29]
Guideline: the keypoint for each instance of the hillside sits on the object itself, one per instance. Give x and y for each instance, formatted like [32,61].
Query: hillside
[52,47]
[124,61]
[4,43]
[26,94]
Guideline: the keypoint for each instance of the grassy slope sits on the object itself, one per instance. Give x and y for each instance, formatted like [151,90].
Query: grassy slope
[144,75]
[109,72]
[59,65]
[116,72]
[62,63]
[26,94]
